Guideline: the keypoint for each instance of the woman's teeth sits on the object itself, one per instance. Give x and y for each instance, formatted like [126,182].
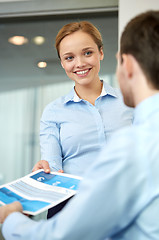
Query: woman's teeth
[82,72]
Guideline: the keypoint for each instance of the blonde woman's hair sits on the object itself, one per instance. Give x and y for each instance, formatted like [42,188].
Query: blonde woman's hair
[83,26]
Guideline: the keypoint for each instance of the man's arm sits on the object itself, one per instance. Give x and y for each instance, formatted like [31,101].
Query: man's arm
[105,204]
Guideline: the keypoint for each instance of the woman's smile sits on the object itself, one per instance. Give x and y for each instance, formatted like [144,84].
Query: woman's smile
[82,73]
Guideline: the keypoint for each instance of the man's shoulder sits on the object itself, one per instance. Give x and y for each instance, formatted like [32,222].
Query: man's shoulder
[124,140]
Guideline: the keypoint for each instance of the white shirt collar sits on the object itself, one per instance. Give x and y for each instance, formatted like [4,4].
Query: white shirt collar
[77,98]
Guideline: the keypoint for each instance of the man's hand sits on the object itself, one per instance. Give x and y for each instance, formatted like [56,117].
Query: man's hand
[42,164]
[8,209]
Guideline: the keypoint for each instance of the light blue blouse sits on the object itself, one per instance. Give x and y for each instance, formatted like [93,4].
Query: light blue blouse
[73,131]
[118,198]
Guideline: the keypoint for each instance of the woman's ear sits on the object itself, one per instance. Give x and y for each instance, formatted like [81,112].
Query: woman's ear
[62,64]
[101,54]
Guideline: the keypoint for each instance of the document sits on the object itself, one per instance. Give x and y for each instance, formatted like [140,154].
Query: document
[39,191]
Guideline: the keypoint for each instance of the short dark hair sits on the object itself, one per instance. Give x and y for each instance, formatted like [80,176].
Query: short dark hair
[140,38]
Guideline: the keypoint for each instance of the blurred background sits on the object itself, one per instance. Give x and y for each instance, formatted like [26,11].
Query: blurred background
[30,72]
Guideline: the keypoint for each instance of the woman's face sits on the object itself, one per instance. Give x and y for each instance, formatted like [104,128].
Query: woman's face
[80,58]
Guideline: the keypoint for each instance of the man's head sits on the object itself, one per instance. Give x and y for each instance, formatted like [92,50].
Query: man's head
[140,41]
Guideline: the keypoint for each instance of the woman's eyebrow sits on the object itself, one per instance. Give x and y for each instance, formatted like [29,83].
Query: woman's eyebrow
[87,48]
[67,53]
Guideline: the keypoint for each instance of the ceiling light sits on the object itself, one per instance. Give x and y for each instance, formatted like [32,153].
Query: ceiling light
[18,40]
[42,64]
[38,40]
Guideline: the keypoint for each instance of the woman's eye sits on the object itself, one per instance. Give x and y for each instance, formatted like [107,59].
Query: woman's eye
[69,58]
[88,53]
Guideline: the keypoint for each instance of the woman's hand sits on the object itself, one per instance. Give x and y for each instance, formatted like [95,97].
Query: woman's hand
[42,164]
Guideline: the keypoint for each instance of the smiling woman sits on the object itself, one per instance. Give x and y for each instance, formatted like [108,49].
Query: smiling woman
[75,127]
[25,89]
[80,58]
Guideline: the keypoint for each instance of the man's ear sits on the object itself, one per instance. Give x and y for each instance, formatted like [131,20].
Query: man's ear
[127,63]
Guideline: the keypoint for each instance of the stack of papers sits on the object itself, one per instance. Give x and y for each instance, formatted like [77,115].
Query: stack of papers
[40,191]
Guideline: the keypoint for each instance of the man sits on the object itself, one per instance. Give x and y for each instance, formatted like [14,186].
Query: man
[119,196]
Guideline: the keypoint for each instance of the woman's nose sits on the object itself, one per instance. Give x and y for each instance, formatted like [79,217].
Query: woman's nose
[80,62]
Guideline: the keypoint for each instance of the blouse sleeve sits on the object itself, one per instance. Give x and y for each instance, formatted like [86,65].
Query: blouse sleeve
[50,139]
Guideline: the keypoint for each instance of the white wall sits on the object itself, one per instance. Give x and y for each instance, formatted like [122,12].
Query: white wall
[128,9]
